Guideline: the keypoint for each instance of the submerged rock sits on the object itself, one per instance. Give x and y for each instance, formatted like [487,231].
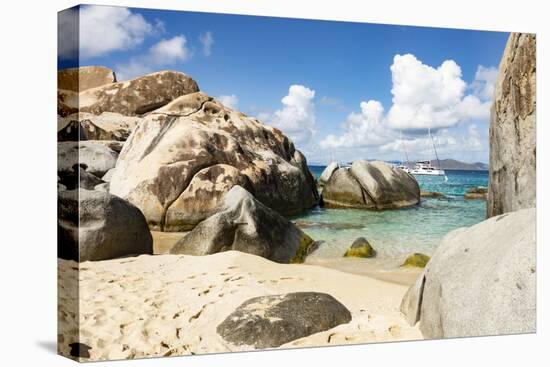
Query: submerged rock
[476,193]
[94,225]
[481,280]
[371,185]
[181,160]
[244,224]
[417,260]
[512,131]
[271,321]
[431,194]
[360,248]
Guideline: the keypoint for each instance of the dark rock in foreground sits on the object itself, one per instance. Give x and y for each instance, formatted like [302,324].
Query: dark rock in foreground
[271,321]
[480,281]
[94,225]
[244,224]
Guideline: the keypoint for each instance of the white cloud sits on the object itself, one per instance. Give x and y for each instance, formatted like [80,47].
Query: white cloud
[447,142]
[484,82]
[207,40]
[362,129]
[423,97]
[169,51]
[426,97]
[297,117]
[104,29]
[164,53]
[230,101]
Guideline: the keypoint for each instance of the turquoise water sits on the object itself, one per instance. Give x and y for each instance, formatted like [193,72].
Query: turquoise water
[397,233]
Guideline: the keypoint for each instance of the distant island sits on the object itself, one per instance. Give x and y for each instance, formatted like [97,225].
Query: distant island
[453,164]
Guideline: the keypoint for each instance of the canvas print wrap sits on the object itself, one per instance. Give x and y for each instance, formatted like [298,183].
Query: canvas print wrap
[231,183]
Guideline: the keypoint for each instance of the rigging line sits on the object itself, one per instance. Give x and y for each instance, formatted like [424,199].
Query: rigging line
[435,149]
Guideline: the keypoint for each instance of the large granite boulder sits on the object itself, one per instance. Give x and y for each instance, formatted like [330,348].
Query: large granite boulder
[181,159]
[371,185]
[94,225]
[137,96]
[271,321]
[84,78]
[86,126]
[480,281]
[95,158]
[327,172]
[244,224]
[512,132]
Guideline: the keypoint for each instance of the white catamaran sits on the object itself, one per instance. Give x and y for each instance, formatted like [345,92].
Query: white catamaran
[423,167]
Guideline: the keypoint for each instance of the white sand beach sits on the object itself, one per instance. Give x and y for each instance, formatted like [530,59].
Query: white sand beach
[163,305]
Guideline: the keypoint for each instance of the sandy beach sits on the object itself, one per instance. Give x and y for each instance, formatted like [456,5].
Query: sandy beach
[164,305]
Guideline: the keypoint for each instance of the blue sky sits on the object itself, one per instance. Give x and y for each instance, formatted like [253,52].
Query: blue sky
[351,90]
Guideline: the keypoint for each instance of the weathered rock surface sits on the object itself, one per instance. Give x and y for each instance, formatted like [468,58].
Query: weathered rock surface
[512,132]
[84,77]
[86,126]
[181,159]
[480,281]
[246,225]
[137,96]
[270,321]
[371,185]
[95,158]
[360,248]
[94,225]
[327,172]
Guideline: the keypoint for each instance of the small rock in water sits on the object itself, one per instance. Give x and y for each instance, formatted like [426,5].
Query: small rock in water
[416,260]
[360,248]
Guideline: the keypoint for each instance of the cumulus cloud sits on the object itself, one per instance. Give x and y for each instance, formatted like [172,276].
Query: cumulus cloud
[230,101]
[426,97]
[207,40]
[423,97]
[447,142]
[104,29]
[484,82]
[164,53]
[362,129]
[297,117]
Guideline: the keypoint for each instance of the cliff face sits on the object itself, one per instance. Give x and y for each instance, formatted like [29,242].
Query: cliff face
[512,133]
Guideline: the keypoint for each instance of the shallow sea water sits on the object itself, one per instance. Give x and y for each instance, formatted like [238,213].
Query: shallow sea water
[394,233]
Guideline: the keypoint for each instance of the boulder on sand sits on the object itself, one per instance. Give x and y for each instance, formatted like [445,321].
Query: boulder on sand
[181,159]
[416,260]
[481,280]
[94,225]
[244,224]
[512,131]
[371,185]
[271,321]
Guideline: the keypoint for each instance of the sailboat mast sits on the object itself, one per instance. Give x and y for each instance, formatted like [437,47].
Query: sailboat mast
[404,148]
[435,149]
